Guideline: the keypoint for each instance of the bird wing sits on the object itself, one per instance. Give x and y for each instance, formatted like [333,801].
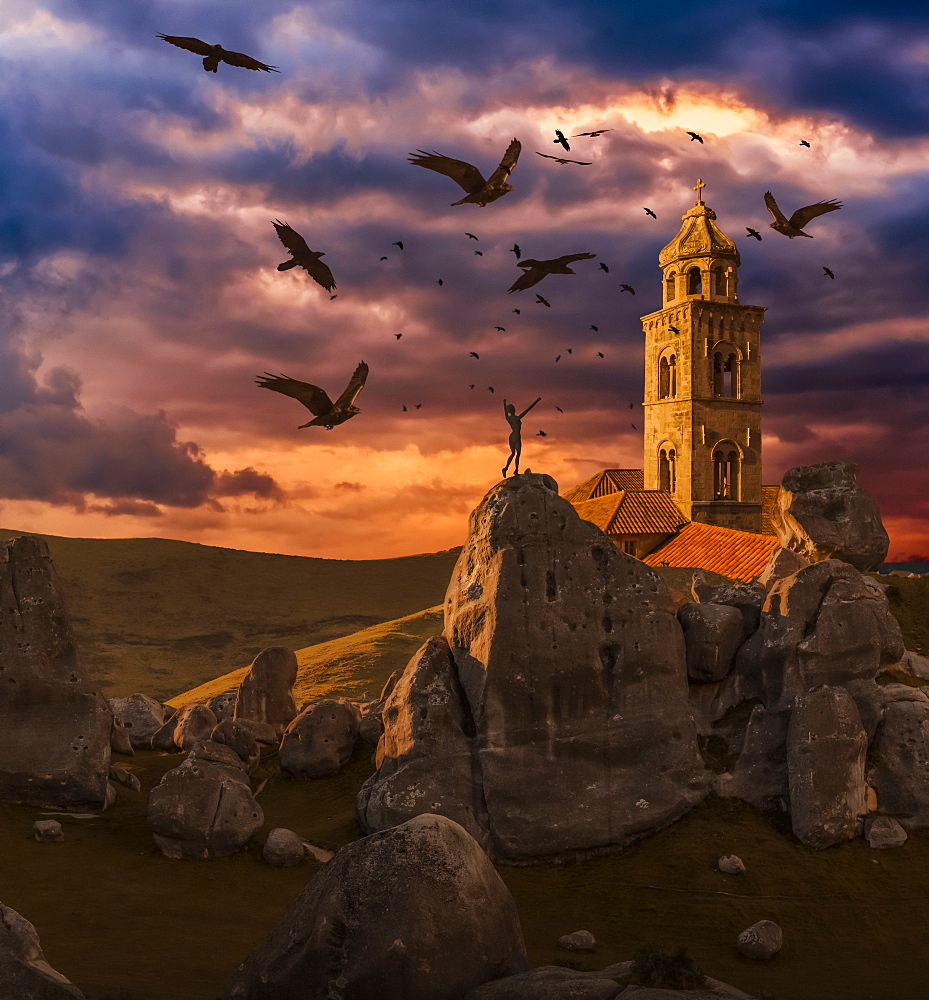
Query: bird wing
[569,258]
[465,175]
[599,131]
[507,164]
[319,272]
[291,239]
[779,216]
[803,215]
[355,384]
[527,279]
[191,44]
[312,397]
[561,159]
[246,62]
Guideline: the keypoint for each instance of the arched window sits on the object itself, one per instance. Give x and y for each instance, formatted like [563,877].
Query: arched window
[664,382]
[726,374]
[669,287]
[719,281]
[694,281]
[667,470]
[726,472]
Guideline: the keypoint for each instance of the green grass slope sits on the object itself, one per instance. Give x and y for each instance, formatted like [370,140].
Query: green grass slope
[162,616]
[342,668]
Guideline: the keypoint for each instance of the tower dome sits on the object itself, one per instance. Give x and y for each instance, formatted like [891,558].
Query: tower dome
[699,236]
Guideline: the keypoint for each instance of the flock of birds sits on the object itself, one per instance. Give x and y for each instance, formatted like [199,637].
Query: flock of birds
[477,191]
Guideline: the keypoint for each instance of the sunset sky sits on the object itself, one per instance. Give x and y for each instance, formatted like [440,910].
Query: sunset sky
[139,296]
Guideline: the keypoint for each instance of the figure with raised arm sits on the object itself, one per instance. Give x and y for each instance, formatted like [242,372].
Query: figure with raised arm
[516,423]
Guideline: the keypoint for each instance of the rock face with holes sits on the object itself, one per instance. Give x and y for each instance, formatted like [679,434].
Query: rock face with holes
[54,725]
[320,740]
[266,692]
[24,971]
[822,513]
[141,716]
[415,911]
[561,719]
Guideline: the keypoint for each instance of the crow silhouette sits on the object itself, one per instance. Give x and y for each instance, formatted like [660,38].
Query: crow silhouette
[627,288]
[471,236]
[515,249]
[693,135]
[828,274]
[560,139]
[563,161]
[535,270]
[648,211]
[803,142]
[468,177]
[213,55]
[593,135]
[793,226]
[327,414]
[603,267]
[542,301]
[303,256]
[753,233]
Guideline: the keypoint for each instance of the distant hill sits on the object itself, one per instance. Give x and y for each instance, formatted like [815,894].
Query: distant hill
[342,668]
[163,616]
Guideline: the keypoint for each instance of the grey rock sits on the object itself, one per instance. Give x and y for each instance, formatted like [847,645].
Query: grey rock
[747,597]
[578,941]
[901,773]
[712,636]
[760,774]
[903,692]
[370,728]
[141,716]
[883,832]
[120,741]
[239,738]
[266,691]
[193,724]
[283,848]
[713,990]
[424,758]
[48,831]
[217,753]
[262,732]
[822,513]
[203,809]
[163,737]
[550,982]
[731,864]
[319,741]
[573,669]
[826,746]
[24,971]
[783,562]
[870,702]
[54,725]
[223,705]
[414,911]
[763,940]
[124,777]
[913,664]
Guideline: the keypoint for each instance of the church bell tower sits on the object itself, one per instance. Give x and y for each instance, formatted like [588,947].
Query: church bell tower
[703,380]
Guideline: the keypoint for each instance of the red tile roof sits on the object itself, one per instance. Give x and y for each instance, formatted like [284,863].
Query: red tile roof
[736,554]
[605,482]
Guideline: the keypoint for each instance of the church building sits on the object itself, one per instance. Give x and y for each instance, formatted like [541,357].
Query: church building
[698,500]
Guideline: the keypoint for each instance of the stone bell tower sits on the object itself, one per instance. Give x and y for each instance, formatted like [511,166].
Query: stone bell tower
[703,380]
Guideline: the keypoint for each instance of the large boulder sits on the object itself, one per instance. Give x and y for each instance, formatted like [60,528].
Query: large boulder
[413,912]
[54,725]
[204,807]
[826,746]
[424,758]
[759,776]
[266,691]
[900,774]
[24,971]
[141,716]
[193,724]
[320,740]
[822,513]
[824,624]
[572,665]
[712,636]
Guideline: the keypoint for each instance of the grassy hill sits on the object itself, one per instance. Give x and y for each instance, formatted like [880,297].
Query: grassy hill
[163,616]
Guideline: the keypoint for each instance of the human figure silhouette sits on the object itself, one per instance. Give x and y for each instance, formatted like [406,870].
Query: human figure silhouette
[516,424]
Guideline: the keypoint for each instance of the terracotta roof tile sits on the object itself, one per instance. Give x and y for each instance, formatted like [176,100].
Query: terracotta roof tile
[605,482]
[601,510]
[647,512]
[736,554]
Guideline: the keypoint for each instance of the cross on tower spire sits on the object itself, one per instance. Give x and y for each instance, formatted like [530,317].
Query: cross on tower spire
[698,187]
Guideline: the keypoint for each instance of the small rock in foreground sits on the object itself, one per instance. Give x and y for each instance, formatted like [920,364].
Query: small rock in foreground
[578,941]
[762,940]
[731,864]
[48,831]
[283,848]
[882,832]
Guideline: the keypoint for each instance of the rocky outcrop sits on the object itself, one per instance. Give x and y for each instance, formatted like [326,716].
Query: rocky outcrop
[424,758]
[900,774]
[141,716]
[204,807]
[415,911]
[193,724]
[567,676]
[826,746]
[223,705]
[266,691]
[24,971]
[320,740]
[783,562]
[759,776]
[239,738]
[54,725]
[712,636]
[822,513]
